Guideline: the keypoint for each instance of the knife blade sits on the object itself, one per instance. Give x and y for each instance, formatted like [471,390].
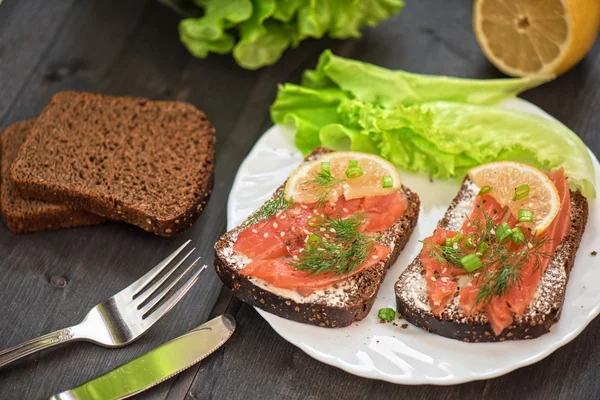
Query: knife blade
[157,365]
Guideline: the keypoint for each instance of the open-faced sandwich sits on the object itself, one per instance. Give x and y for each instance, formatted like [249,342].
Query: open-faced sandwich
[318,250]
[497,265]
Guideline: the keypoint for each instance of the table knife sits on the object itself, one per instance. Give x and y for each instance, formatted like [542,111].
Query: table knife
[157,365]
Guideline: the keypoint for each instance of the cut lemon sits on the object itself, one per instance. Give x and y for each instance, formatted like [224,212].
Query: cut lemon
[527,37]
[534,191]
[354,175]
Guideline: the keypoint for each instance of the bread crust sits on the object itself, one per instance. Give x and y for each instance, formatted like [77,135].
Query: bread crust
[532,324]
[319,313]
[121,134]
[22,215]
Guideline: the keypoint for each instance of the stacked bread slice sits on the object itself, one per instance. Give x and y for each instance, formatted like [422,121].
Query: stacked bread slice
[91,157]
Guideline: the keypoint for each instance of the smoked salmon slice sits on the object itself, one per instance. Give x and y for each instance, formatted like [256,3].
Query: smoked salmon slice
[272,243]
[284,276]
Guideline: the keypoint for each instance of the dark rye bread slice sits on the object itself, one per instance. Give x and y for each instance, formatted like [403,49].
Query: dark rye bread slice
[23,215]
[148,163]
[334,307]
[412,296]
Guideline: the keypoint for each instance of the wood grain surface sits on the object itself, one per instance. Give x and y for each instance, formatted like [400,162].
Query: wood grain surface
[132,48]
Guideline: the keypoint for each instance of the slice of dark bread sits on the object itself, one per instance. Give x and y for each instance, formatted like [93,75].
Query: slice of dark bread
[148,163]
[338,306]
[23,215]
[412,294]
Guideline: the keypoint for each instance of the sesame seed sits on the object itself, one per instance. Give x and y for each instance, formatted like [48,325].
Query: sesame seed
[315,211]
[345,209]
[306,232]
[469,284]
[266,235]
[282,234]
[282,217]
[275,225]
[445,279]
[432,278]
[296,258]
[374,257]
[322,229]
[332,203]
[444,270]
[303,206]
[293,228]
[300,251]
[332,230]
[306,239]
[254,231]
[529,245]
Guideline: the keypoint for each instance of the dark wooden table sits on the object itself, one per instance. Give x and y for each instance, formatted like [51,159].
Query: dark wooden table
[132,48]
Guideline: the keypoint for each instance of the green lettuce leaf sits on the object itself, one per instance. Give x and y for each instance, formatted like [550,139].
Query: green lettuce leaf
[308,110]
[261,42]
[259,31]
[208,33]
[445,139]
[437,125]
[384,87]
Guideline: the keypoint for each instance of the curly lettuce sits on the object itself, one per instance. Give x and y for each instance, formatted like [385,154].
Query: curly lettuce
[257,32]
[437,125]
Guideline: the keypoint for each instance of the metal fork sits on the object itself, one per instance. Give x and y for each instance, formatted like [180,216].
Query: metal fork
[122,318]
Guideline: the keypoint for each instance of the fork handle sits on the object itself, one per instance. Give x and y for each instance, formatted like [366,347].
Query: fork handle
[31,346]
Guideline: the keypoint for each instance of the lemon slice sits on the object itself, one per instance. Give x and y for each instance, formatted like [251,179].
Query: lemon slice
[308,184]
[525,37]
[504,177]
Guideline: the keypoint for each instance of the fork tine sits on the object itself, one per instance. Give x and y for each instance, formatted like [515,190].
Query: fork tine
[138,285]
[154,288]
[174,299]
[166,290]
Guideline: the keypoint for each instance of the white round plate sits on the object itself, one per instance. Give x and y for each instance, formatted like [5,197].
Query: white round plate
[413,356]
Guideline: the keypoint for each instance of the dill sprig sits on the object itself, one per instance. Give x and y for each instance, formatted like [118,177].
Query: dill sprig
[342,247]
[325,183]
[503,267]
[271,207]
[446,254]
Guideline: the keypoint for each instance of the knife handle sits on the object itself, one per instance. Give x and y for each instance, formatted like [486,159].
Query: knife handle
[31,346]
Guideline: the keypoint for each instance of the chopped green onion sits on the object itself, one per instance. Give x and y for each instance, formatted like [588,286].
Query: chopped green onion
[313,241]
[315,221]
[354,172]
[485,189]
[503,233]
[387,182]
[521,192]
[482,248]
[525,216]
[352,163]
[469,242]
[326,166]
[471,262]
[449,242]
[387,314]
[517,236]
